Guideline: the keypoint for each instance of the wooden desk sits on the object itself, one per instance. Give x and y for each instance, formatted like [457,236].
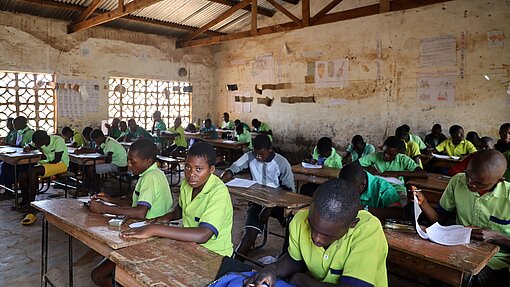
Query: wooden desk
[126,145]
[432,187]
[198,136]
[233,150]
[92,229]
[454,265]
[434,162]
[165,262]
[314,175]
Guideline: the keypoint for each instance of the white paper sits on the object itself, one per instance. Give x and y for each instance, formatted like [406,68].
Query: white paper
[392,180]
[240,182]
[417,212]
[229,141]
[445,156]
[87,155]
[310,165]
[436,87]
[138,224]
[438,51]
[84,199]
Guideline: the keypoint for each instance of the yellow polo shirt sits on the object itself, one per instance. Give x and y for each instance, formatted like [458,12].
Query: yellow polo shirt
[77,139]
[152,190]
[490,211]
[180,140]
[463,148]
[211,208]
[357,259]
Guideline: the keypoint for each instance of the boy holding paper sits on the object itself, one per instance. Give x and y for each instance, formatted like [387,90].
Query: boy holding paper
[480,198]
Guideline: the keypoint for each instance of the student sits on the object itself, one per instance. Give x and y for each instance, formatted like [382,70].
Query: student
[25,133]
[266,168]
[332,244]
[136,132]
[390,163]
[227,124]
[503,144]
[245,125]
[412,149]
[74,137]
[159,124]
[151,198]
[10,138]
[474,138]
[413,138]
[209,129]
[479,199]
[263,128]
[179,145]
[191,128]
[456,145]
[325,154]
[204,206]
[377,195]
[485,143]
[358,149]
[243,135]
[124,131]
[86,136]
[55,160]
[113,129]
[435,137]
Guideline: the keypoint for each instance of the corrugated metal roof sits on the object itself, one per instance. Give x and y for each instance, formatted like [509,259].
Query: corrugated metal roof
[192,13]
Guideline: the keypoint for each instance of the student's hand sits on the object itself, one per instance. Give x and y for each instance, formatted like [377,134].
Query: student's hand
[108,126]
[96,206]
[138,233]
[266,277]
[159,220]
[373,170]
[27,149]
[102,196]
[485,235]
[421,198]
[264,215]
[313,161]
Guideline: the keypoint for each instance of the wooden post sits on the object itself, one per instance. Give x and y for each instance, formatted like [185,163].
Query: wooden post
[254,17]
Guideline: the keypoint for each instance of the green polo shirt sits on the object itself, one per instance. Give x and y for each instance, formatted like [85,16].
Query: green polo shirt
[334,160]
[119,154]
[401,162]
[57,144]
[413,150]
[463,148]
[10,139]
[507,173]
[245,137]
[160,125]
[152,190]
[78,139]
[211,208]
[417,140]
[490,211]
[140,132]
[228,125]
[265,128]
[123,134]
[115,133]
[180,140]
[24,136]
[379,193]
[366,151]
[357,259]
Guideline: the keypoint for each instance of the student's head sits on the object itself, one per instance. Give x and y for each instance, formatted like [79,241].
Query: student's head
[485,170]
[9,124]
[457,133]
[358,144]
[262,147]
[122,126]
[237,122]
[177,122]
[333,211]
[473,137]
[141,155]
[191,128]
[132,125]
[436,130]
[504,132]
[407,128]
[156,115]
[226,117]
[391,148]
[115,122]
[97,136]
[207,123]
[401,133]
[40,138]
[324,146]
[86,133]
[239,129]
[67,132]
[486,143]
[199,164]
[356,175]
[20,123]
[255,123]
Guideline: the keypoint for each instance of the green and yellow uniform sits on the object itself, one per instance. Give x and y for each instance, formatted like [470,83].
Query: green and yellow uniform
[139,132]
[119,154]
[334,160]
[264,128]
[228,125]
[24,136]
[115,133]
[152,190]
[10,138]
[401,162]
[78,139]
[245,137]
[417,139]
[463,148]
[57,144]
[379,193]
[180,140]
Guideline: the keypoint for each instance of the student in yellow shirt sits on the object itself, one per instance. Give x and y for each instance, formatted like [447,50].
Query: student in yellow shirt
[412,149]
[179,145]
[456,145]
[332,244]
[74,137]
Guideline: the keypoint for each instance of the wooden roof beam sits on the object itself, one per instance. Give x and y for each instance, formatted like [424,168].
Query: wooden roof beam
[260,10]
[87,12]
[325,10]
[285,11]
[292,1]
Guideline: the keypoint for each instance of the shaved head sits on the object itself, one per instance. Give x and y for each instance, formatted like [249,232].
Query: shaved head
[485,169]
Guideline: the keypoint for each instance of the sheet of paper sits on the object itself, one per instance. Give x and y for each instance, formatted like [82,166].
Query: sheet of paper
[240,182]
[88,155]
[441,156]
[309,165]
[449,235]
[138,224]
[84,199]
[392,180]
[417,212]
[229,141]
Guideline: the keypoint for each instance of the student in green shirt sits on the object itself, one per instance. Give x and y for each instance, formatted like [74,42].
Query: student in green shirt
[74,137]
[151,198]
[245,125]
[113,129]
[179,145]
[262,128]
[227,124]
[25,133]
[331,244]
[357,149]
[325,154]
[86,136]
[159,124]
[10,139]
[413,138]
[136,132]
[479,199]
[124,131]
[243,135]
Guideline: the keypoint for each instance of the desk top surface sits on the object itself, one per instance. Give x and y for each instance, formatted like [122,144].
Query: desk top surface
[72,212]
[166,262]
[435,181]
[271,197]
[469,258]
[322,172]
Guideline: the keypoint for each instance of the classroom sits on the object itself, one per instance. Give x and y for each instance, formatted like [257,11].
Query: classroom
[207,142]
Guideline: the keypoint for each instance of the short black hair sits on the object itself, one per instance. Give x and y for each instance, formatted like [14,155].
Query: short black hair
[406,128]
[145,149]
[237,122]
[393,142]
[473,136]
[336,200]
[255,122]
[261,141]
[486,140]
[204,150]
[437,127]
[122,122]
[207,121]
[226,114]
[21,119]
[131,121]
[86,132]
[66,130]
[455,128]
[400,132]
[39,136]
[356,140]
[504,127]
[96,133]
[353,173]
[239,129]
[157,113]
[402,147]
[324,145]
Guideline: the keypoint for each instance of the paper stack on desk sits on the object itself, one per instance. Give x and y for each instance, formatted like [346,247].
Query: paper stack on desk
[445,156]
[444,235]
[310,165]
[392,180]
[239,182]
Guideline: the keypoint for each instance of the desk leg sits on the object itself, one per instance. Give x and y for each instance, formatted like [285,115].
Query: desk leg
[44,253]
[467,280]
[15,185]
[70,261]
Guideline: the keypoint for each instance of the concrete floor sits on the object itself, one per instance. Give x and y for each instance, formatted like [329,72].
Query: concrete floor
[21,248]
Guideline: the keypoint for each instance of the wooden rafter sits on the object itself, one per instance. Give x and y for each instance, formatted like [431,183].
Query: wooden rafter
[325,10]
[384,6]
[254,17]
[121,11]
[395,5]
[260,10]
[87,12]
[305,8]
[291,1]
[285,11]
[73,7]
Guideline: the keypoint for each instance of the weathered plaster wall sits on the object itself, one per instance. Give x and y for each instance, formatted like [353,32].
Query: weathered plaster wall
[41,45]
[371,107]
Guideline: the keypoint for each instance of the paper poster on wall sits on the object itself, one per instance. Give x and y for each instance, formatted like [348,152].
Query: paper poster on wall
[70,102]
[332,73]
[436,87]
[246,107]
[495,38]
[263,69]
[438,51]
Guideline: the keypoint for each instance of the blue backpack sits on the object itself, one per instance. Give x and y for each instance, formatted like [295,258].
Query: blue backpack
[235,279]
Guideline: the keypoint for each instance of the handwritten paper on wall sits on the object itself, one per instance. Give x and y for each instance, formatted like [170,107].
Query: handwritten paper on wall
[70,103]
[263,69]
[438,51]
[436,87]
[332,73]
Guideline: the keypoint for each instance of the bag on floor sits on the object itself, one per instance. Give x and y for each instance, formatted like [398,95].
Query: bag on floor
[235,279]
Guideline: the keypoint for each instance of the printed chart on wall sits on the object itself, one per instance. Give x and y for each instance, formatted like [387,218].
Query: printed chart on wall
[332,73]
[77,97]
[242,106]
[436,87]
[438,51]
[263,69]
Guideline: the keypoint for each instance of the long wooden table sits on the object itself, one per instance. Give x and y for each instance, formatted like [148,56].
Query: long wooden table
[454,265]
[314,175]
[432,187]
